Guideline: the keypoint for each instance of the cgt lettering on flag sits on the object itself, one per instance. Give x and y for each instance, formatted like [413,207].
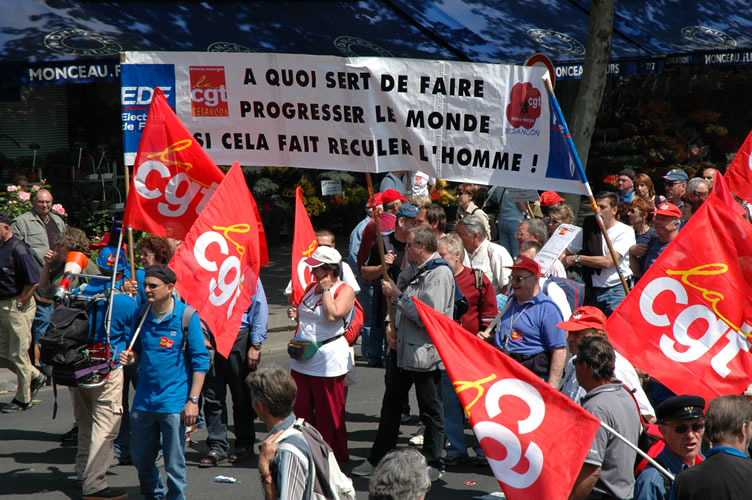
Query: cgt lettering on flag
[227,282]
[180,190]
[683,340]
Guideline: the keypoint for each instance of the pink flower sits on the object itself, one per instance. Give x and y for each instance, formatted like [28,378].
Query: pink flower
[24,196]
[57,207]
[35,187]
[12,188]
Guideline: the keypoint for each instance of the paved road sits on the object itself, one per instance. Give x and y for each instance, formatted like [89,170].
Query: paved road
[33,464]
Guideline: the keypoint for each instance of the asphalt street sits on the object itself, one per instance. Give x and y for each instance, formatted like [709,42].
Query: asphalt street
[33,464]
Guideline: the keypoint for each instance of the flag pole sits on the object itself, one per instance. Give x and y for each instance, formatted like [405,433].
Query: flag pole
[576,157]
[130,231]
[380,242]
[626,441]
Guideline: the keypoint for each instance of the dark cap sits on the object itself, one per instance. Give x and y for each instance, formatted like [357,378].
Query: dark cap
[5,218]
[680,408]
[628,172]
[407,210]
[161,272]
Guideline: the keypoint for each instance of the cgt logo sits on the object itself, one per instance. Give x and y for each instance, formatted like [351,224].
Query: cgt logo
[525,104]
[208,91]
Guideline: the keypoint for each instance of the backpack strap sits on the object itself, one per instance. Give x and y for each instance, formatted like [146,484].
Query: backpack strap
[185,323]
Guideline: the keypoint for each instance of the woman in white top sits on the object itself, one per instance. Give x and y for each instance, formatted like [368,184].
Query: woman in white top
[466,194]
[321,379]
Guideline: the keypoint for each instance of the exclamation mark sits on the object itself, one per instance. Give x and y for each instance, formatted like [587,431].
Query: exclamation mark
[535,162]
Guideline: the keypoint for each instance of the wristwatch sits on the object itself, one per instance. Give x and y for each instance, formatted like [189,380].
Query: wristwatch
[193,400]
[256,346]
[19,304]
[577,259]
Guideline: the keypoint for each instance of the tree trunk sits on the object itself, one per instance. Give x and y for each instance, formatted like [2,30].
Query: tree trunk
[593,81]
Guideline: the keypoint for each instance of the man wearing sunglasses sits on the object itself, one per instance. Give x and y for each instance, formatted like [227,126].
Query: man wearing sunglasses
[725,472]
[682,424]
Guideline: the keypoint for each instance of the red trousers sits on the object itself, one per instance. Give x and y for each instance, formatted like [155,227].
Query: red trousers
[321,402]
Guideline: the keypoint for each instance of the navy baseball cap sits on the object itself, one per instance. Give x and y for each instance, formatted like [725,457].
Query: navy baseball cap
[407,210]
[676,174]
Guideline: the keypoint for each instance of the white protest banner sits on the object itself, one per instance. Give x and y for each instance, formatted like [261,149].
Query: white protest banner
[469,122]
[331,187]
[555,245]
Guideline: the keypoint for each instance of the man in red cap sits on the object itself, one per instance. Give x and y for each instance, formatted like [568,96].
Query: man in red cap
[527,331]
[391,201]
[666,222]
[586,321]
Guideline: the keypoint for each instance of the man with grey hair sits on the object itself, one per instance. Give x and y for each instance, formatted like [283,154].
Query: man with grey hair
[725,472]
[286,468]
[489,257]
[400,475]
[531,230]
[698,190]
[414,358]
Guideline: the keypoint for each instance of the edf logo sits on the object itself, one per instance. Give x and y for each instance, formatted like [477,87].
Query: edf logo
[137,84]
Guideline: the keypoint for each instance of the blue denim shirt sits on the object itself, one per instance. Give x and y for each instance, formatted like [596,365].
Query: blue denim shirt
[256,318]
[650,484]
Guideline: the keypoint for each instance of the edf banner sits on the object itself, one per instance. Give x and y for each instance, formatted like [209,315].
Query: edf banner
[483,123]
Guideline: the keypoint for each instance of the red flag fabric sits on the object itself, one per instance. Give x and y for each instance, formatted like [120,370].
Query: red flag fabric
[685,320]
[218,263]
[535,438]
[173,177]
[303,245]
[739,172]
[721,190]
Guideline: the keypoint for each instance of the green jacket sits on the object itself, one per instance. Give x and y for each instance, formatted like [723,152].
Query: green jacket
[30,228]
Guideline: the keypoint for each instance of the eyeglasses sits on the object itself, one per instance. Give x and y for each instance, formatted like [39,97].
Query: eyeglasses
[682,428]
[152,286]
[672,183]
[520,279]
[519,234]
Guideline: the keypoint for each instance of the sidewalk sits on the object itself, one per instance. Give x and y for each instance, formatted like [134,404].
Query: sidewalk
[274,277]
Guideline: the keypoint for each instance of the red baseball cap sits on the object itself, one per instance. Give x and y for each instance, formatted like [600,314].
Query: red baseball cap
[392,195]
[526,263]
[584,317]
[668,209]
[550,198]
[377,200]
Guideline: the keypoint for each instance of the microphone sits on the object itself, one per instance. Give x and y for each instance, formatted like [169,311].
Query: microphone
[74,264]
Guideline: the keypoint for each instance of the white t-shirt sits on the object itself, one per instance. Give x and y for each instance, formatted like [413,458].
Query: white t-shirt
[622,238]
[332,359]
[420,182]
[557,295]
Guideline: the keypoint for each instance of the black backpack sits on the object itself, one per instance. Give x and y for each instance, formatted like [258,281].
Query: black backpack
[67,344]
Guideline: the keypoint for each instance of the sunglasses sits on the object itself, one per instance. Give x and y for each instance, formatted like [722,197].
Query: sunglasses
[152,286]
[520,279]
[682,428]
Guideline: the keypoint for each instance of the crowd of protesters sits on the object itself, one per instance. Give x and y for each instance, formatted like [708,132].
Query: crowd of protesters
[487,253]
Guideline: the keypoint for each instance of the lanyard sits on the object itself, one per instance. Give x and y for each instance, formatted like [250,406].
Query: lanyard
[512,321]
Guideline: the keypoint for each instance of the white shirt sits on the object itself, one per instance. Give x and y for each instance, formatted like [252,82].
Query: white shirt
[494,260]
[622,238]
[623,371]
[557,270]
[557,295]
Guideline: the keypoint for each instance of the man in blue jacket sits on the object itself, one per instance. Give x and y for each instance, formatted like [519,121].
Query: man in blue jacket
[232,371]
[172,366]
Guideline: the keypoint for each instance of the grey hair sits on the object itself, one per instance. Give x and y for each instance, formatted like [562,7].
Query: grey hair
[273,387]
[453,243]
[401,475]
[473,224]
[696,182]
[389,206]
[424,235]
[538,228]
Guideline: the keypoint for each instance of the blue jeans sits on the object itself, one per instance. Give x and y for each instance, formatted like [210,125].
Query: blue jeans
[365,297]
[146,430]
[608,299]
[454,420]
[41,322]
[507,229]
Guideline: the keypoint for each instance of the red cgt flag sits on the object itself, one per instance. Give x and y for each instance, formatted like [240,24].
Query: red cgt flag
[173,177]
[218,263]
[739,172]
[535,438]
[303,245]
[686,319]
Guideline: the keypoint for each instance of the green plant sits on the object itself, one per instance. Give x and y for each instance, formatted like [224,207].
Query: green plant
[16,200]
